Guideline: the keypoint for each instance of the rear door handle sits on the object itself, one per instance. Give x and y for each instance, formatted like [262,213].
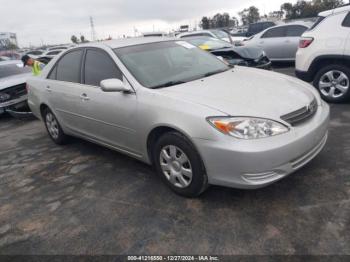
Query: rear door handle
[48,89]
[84,97]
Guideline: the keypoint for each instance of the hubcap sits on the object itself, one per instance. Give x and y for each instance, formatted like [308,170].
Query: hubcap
[52,125]
[176,166]
[334,84]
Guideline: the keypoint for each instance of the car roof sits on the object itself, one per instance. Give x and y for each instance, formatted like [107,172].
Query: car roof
[118,43]
[340,9]
[303,23]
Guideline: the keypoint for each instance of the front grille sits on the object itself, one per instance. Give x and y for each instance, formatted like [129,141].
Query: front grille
[263,60]
[13,92]
[301,115]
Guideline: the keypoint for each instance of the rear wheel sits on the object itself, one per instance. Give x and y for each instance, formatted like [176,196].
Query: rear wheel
[179,165]
[53,127]
[333,83]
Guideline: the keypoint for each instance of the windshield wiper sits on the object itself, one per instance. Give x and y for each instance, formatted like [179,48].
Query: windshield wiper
[167,84]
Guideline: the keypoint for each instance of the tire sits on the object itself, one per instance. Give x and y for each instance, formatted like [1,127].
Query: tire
[179,165]
[53,127]
[327,82]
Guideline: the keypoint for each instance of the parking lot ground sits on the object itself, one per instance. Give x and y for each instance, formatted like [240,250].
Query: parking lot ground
[84,199]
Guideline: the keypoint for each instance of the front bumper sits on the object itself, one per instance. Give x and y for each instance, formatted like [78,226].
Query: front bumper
[304,75]
[16,107]
[266,66]
[250,164]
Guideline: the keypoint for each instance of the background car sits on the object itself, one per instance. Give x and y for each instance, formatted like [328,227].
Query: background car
[234,55]
[4,58]
[36,53]
[57,48]
[258,27]
[13,93]
[323,56]
[47,56]
[154,34]
[280,43]
[214,33]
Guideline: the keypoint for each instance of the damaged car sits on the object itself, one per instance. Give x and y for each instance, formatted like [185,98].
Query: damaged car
[233,55]
[13,93]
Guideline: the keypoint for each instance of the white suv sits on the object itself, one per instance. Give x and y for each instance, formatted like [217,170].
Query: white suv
[324,55]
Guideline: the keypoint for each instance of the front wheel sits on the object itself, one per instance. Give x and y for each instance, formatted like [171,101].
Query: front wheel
[333,83]
[179,165]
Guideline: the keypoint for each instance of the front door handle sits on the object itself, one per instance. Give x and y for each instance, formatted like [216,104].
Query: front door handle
[48,89]
[84,97]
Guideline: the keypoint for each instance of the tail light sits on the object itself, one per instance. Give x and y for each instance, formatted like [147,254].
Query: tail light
[305,42]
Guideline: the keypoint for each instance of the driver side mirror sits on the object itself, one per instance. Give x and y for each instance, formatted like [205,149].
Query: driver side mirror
[114,85]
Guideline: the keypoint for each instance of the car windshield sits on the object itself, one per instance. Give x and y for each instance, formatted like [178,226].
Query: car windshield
[168,63]
[207,43]
[13,69]
[220,34]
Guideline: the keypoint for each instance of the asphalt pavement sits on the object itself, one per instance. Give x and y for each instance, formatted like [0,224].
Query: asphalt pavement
[85,199]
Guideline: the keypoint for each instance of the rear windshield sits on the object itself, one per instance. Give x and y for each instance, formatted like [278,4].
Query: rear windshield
[220,34]
[14,69]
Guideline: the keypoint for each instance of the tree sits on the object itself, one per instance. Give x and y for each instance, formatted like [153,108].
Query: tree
[218,21]
[234,21]
[306,9]
[83,40]
[276,14]
[205,24]
[288,10]
[249,15]
[74,39]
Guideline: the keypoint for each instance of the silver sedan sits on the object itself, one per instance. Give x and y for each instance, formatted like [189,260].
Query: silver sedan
[170,104]
[281,42]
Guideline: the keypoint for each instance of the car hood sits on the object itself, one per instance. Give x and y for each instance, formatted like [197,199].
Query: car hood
[248,52]
[246,92]
[244,52]
[9,81]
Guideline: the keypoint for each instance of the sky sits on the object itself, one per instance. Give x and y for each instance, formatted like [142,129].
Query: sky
[39,22]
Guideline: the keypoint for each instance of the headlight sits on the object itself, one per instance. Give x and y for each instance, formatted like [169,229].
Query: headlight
[247,127]
[4,97]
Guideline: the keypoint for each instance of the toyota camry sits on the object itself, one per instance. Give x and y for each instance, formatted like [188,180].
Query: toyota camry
[198,121]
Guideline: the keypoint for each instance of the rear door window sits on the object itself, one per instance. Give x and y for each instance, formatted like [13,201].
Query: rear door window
[318,21]
[346,21]
[99,66]
[295,30]
[69,67]
[275,32]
